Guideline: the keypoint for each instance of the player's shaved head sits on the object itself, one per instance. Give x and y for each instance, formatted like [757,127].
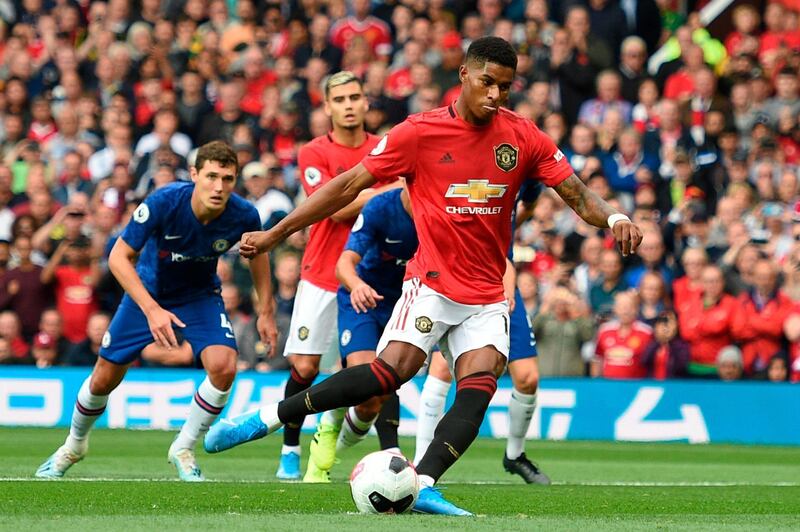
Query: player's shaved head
[491,50]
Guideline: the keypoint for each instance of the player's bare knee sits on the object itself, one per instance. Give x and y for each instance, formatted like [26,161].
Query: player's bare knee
[220,365]
[405,359]
[525,374]
[307,367]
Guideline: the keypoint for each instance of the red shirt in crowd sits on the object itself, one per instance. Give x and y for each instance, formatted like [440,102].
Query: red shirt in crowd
[75,300]
[760,331]
[707,330]
[679,85]
[319,161]
[622,351]
[254,88]
[463,181]
[372,29]
[684,292]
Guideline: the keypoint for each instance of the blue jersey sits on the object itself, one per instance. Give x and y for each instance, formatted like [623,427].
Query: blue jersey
[178,254]
[385,238]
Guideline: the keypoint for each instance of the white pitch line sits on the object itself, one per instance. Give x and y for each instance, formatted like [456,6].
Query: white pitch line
[620,484]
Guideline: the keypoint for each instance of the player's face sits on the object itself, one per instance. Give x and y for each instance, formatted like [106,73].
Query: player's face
[485,88]
[347,106]
[214,184]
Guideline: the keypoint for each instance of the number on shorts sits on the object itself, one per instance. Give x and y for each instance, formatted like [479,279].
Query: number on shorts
[225,323]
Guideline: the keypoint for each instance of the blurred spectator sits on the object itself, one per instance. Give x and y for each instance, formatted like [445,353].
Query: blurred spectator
[633,55]
[667,354]
[651,253]
[243,329]
[729,364]
[51,324]
[777,370]
[21,288]
[588,272]
[609,97]
[689,287]
[361,24]
[11,332]
[611,282]
[652,297]
[758,321]
[529,291]
[44,351]
[562,326]
[706,322]
[287,275]
[259,181]
[621,342]
[75,284]
[85,353]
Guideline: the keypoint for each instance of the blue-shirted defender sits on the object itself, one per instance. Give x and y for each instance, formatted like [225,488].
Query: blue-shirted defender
[178,233]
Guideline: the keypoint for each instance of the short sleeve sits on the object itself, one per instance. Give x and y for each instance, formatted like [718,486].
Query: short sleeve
[364,234]
[313,169]
[548,164]
[395,155]
[145,221]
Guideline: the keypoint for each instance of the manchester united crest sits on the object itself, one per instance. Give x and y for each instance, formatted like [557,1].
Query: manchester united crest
[505,156]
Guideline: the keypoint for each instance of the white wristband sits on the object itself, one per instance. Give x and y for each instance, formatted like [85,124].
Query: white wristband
[617,217]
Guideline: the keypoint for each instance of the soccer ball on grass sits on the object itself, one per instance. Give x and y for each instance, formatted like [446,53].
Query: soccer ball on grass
[384,482]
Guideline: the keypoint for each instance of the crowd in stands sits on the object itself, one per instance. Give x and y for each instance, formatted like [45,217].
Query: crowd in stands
[103,102]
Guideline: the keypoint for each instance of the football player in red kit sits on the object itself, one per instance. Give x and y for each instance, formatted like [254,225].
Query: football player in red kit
[464,165]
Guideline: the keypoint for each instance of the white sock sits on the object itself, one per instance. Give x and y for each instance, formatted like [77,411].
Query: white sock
[426,482]
[334,417]
[88,407]
[520,412]
[208,402]
[431,408]
[269,416]
[286,449]
[353,430]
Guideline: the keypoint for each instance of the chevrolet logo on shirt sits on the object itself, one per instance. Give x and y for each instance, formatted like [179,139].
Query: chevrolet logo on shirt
[476,191]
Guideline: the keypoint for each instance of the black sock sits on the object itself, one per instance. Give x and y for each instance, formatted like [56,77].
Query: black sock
[349,387]
[459,426]
[295,385]
[388,421]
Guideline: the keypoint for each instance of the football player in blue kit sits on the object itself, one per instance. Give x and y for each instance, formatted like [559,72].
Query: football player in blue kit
[371,270]
[522,366]
[178,233]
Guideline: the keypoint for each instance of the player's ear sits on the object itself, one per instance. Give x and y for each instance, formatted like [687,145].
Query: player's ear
[193,173]
[327,108]
[462,73]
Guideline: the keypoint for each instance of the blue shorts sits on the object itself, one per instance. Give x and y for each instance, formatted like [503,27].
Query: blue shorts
[360,332]
[523,343]
[206,322]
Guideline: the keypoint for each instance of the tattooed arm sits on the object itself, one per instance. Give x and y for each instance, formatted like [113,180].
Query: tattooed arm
[594,210]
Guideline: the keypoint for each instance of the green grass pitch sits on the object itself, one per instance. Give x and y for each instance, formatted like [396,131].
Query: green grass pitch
[128,485]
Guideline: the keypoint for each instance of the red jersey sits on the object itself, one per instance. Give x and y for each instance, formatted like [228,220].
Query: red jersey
[683,293]
[707,330]
[622,353]
[319,161]
[463,181]
[75,301]
[372,29]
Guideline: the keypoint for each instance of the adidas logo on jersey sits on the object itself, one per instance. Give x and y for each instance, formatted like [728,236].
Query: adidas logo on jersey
[446,158]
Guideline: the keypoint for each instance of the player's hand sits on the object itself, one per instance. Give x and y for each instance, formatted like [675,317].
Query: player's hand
[160,322]
[363,297]
[628,237]
[268,332]
[255,243]
[510,299]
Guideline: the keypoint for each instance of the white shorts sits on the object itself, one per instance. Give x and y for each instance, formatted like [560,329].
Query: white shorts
[424,318]
[313,326]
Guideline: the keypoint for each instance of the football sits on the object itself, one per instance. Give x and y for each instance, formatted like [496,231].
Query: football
[384,482]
